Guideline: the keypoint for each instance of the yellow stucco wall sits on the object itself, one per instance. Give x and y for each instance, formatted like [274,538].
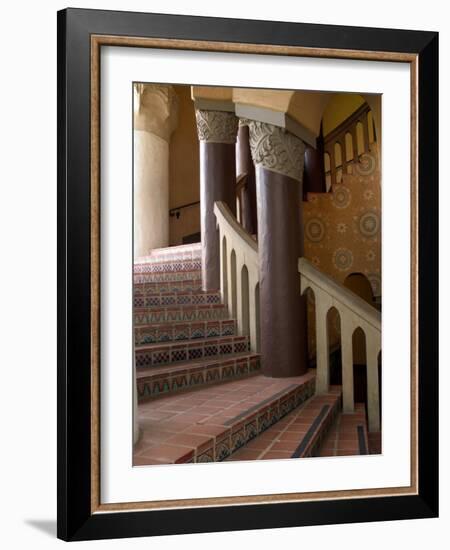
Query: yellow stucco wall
[340,107]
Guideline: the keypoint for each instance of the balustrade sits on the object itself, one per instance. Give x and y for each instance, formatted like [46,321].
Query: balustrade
[354,312]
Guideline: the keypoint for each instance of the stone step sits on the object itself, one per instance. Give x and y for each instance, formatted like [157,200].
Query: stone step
[299,434]
[168,266]
[188,330]
[205,312]
[189,285]
[166,276]
[189,350]
[348,435]
[158,381]
[213,422]
[180,252]
[180,299]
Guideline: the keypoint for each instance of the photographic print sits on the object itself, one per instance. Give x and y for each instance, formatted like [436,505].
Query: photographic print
[257,274]
[247,293]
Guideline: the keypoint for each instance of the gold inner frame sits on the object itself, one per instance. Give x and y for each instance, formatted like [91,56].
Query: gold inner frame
[97,41]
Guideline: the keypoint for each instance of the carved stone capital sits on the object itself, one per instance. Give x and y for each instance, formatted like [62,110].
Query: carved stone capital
[155,109]
[216,126]
[276,149]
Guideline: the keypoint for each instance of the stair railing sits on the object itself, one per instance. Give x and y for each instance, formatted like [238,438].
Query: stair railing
[239,274]
[354,312]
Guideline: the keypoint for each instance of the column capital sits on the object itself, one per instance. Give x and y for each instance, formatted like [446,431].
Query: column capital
[155,109]
[276,149]
[216,126]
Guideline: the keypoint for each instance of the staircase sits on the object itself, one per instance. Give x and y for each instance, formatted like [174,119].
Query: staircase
[201,397]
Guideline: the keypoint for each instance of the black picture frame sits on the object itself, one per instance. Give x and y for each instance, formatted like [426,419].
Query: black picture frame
[75,518]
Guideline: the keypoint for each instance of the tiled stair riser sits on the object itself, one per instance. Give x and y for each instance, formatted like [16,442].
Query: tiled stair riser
[182,252]
[154,333]
[191,377]
[232,439]
[167,276]
[190,351]
[144,289]
[168,266]
[177,299]
[180,314]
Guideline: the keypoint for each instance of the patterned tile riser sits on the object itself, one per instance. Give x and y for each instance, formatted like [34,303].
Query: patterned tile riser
[186,299]
[168,267]
[154,387]
[190,331]
[242,433]
[202,313]
[139,278]
[144,289]
[171,254]
[190,351]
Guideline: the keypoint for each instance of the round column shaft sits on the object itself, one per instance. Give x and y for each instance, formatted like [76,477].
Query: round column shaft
[278,157]
[217,135]
[244,165]
[155,115]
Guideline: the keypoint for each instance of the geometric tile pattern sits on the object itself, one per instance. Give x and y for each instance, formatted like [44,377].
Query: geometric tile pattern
[300,434]
[213,422]
[184,298]
[145,316]
[154,382]
[189,350]
[190,330]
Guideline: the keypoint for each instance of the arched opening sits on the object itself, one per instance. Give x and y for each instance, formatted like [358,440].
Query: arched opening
[334,346]
[349,154]
[245,313]
[360,285]
[370,127]
[224,267]
[338,161]
[359,138]
[327,164]
[359,366]
[257,317]
[311,324]
[233,285]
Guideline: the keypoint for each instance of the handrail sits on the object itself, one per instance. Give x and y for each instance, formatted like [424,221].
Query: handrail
[239,273]
[354,313]
[340,293]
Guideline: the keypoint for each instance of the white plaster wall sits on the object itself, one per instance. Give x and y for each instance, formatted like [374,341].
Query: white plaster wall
[151,192]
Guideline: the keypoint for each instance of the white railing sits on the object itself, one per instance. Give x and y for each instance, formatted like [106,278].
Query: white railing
[354,312]
[239,273]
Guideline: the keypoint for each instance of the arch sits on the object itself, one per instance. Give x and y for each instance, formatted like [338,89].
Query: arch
[310,299]
[349,153]
[233,284]
[245,302]
[338,161]
[224,266]
[359,284]
[359,366]
[370,127]
[359,138]
[327,164]
[334,345]
[257,317]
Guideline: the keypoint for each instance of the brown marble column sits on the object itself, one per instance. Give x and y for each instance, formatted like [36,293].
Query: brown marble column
[279,156]
[244,165]
[217,135]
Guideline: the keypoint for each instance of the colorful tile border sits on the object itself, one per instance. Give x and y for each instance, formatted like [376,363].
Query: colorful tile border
[192,376]
[189,330]
[191,350]
[168,314]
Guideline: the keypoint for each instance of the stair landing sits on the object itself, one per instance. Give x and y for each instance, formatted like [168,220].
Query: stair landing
[299,434]
[211,423]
